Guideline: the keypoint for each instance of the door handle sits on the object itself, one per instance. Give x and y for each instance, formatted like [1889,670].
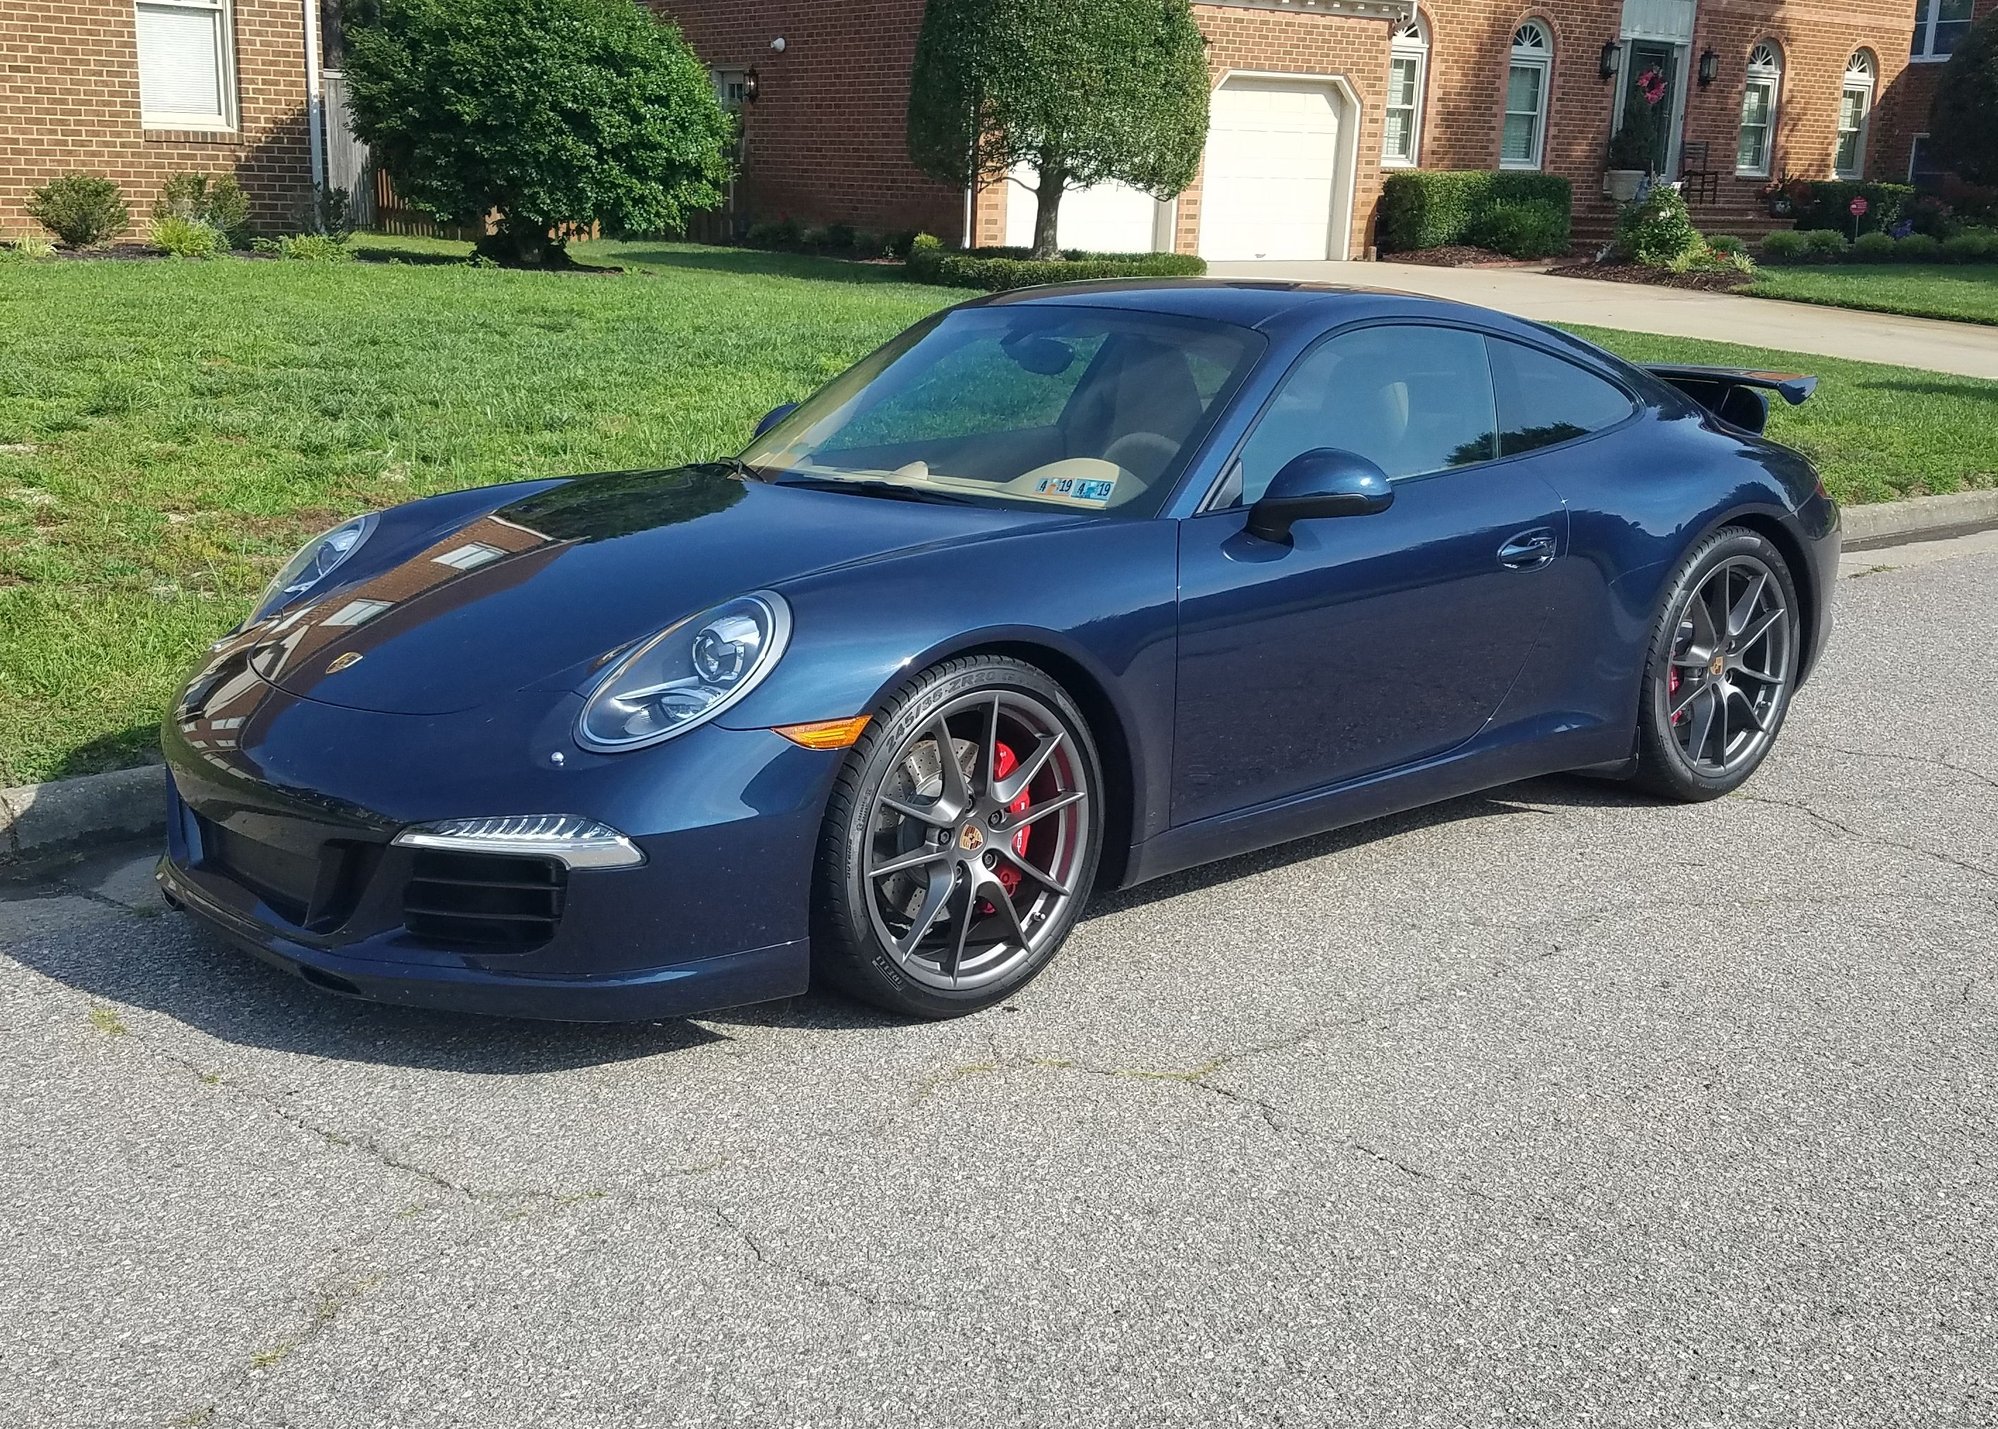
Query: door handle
[1528,551]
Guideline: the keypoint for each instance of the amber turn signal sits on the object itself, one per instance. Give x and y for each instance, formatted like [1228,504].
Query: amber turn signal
[825,733]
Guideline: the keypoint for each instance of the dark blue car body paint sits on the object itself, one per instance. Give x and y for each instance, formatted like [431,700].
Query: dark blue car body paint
[1242,692]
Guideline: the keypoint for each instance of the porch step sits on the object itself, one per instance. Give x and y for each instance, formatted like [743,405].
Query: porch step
[1596,226]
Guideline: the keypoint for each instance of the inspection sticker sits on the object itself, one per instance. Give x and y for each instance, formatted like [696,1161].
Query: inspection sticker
[1069,488]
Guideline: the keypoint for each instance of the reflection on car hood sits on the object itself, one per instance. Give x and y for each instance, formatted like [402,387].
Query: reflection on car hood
[542,590]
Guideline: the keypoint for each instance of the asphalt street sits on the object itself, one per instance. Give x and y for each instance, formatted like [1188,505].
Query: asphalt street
[1549,1107]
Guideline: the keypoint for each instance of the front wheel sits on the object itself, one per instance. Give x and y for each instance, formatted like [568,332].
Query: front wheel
[960,840]
[1722,663]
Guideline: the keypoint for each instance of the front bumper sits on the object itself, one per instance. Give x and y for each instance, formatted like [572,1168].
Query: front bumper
[280,838]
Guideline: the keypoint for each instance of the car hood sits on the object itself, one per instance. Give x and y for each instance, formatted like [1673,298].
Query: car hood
[544,590]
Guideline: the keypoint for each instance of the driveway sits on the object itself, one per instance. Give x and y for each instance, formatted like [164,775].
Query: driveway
[1547,1107]
[1965,348]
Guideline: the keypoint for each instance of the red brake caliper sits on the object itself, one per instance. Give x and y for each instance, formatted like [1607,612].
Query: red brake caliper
[1004,762]
[1672,692]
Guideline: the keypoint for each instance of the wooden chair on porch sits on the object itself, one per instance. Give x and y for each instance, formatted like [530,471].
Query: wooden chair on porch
[1698,182]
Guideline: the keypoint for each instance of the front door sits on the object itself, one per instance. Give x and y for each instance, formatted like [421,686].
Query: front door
[1651,68]
[1367,642]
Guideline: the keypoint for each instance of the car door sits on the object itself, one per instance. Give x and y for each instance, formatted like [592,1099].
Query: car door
[1369,642]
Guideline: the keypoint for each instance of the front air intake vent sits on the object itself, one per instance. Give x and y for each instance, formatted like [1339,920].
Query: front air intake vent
[483,900]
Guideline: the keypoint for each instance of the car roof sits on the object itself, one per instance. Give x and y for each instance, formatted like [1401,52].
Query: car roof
[1264,303]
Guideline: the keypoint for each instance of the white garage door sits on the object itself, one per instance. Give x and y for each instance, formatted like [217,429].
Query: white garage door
[1110,218]
[1272,171]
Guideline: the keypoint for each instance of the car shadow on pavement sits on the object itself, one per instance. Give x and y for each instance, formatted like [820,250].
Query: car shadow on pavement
[165,964]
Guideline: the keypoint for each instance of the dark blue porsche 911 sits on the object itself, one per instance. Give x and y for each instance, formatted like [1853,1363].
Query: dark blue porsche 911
[1058,591]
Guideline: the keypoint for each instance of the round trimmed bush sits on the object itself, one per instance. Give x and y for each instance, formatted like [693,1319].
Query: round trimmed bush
[82,210]
[217,201]
[1874,248]
[1659,232]
[1786,245]
[1970,248]
[1826,245]
[1917,248]
[179,237]
[1726,243]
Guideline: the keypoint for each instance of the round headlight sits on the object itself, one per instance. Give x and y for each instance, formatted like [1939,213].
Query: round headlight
[317,560]
[687,674]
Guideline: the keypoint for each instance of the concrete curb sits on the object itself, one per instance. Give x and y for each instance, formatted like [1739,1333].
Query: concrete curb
[1923,518]
[41,819]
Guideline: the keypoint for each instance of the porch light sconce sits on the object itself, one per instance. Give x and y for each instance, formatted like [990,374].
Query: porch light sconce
[1709,67]
[751,83]
[1607,68]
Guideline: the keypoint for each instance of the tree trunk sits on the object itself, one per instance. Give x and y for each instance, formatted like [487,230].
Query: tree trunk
[1047,213]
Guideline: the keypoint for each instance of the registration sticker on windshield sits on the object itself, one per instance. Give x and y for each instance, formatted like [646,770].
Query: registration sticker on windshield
[1084,492]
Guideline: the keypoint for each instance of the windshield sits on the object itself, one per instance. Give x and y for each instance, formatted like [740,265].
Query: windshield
[1087,409]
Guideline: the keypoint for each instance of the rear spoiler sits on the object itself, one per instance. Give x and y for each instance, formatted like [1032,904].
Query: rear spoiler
[1735,394]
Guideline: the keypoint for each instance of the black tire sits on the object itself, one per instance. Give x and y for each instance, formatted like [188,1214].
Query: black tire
[1741,677]
[974,954]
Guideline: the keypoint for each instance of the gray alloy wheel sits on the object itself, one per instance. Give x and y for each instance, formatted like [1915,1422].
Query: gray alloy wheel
[961,840]
[1723,663]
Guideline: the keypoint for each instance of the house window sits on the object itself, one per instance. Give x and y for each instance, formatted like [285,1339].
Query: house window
[1855,103]
[731,88]
[466,558]
[187,77]
[1526,98]
[1923,171]
[1939,24]
[1408,73]
[1758,111]
[357,612]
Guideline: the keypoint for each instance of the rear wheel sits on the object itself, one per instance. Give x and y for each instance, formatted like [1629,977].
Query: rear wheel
[1722,663]
[960,841]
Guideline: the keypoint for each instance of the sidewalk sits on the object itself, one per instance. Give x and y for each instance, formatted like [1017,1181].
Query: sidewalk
[1964,348]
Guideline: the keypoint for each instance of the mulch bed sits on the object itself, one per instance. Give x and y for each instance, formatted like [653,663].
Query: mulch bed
[1656,277]
[1461,256]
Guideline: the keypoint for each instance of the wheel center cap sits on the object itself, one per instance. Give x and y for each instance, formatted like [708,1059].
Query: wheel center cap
[1716,665]
[971,838]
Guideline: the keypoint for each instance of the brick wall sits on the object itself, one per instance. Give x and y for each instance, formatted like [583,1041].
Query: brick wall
[1903,108]
[826,140]
[69,100]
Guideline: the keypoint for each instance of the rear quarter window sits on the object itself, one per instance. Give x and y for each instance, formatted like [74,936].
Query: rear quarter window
[1544,400]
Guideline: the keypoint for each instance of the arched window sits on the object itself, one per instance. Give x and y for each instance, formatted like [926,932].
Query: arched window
[1758,111]
[1408,79]
[1855,105]
[1523,136]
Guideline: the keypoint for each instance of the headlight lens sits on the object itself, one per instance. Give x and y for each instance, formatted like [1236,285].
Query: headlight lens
[319,558]
[687,674]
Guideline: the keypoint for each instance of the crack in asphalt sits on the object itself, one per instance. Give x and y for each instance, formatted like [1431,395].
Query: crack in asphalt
[1877,840]
[1979,775]
[799,1272]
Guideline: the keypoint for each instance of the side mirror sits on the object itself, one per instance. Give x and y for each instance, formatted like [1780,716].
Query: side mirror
[1322,482]
[775,415]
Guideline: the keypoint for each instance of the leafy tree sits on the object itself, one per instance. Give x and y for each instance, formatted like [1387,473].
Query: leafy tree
[1083,90]
[551,112]
[1963,122]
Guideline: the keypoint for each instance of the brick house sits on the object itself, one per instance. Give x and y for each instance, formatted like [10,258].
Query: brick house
[142,89]
[1314,100]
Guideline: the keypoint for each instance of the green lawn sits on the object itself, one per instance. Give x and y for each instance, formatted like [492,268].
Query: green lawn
[170,432]
[1924,290]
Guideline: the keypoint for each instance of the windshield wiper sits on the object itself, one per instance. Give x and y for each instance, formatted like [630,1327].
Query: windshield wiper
[894,491]
[740,468]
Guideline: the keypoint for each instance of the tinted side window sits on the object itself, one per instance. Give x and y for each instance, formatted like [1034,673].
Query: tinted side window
[1543,400]
[1410,399]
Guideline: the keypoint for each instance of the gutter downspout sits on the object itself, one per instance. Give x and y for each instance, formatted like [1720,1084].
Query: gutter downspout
[315,104]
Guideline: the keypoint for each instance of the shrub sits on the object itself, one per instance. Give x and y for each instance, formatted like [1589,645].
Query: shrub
[1917,248]
[179,237]
[1658,232]
[1827,203]
[82,210]
[867,244]
[1726,243]
[1874,247]
[1531,229]
[898,244]
[328,211]
[28,248]
[1433,208]
[1826,245]
[1084,93]
[840,236]
[1963,117]
[1784,246]
[1972,247]
[218,202]
[996,269]
[559,114]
